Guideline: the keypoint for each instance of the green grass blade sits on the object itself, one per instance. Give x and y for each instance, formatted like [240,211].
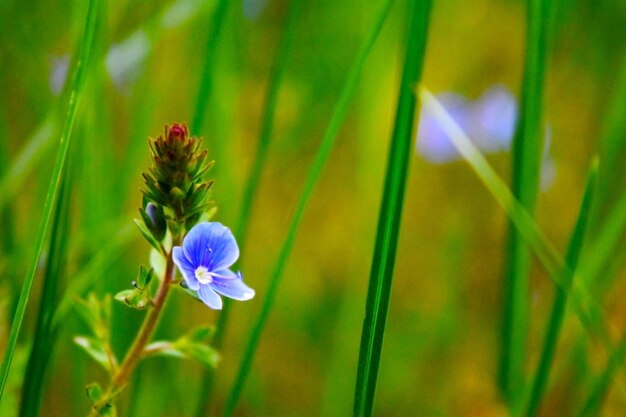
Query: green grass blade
[560,302]
[610,215]
[600,387]
[381,274]
[339,114]
[584,306]
[44,333]
[612,149]
[527,156]
[252,183]
[77,88]
[206,76]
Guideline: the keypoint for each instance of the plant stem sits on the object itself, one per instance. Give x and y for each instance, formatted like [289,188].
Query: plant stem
[126,369]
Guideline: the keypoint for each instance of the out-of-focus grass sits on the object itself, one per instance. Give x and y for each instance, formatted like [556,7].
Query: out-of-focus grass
[442,338]
[526,169]
[328,140]
[82,61]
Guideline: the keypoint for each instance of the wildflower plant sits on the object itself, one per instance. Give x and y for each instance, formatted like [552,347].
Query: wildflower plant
[174,219]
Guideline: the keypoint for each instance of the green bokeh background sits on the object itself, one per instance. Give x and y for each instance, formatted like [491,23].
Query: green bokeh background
[442,342]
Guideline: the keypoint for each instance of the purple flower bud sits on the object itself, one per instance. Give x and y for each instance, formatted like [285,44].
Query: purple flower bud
[151,211]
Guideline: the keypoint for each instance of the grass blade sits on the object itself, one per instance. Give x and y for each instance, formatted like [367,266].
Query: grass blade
[598,391]
[206,77]
[77,88]
[381,275]
[252,183]
[339,114]
[610,213]
[45,333]
[527,155]
[560,302]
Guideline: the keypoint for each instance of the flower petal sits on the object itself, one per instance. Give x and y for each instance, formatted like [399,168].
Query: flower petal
[211,245]
[233,287]
[433,142]
[185,267]
[210,297]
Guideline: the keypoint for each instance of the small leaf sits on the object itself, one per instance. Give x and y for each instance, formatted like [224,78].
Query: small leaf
[147,234]
[94,348]
[201,333]
[86,313]
[183,288]
[185,348]
[164,348]
[145,276]
[133,298]
[202,353]
[94,392]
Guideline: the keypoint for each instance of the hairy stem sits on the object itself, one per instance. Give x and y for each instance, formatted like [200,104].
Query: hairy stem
[126,369]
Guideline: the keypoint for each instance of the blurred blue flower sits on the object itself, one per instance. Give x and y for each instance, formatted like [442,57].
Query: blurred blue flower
[208,250]
[488,121]
[58,74]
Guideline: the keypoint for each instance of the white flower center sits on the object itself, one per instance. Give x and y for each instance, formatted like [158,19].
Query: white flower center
[203,275]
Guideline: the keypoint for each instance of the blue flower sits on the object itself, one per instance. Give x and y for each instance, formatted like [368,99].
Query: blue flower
[208,251]
[489,121]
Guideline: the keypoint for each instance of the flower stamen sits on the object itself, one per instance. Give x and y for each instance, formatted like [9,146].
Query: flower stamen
[203,275]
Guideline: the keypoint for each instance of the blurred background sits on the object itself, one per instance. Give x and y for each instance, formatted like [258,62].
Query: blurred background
[442,340]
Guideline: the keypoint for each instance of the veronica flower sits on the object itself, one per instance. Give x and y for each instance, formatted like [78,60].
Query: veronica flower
[208,251]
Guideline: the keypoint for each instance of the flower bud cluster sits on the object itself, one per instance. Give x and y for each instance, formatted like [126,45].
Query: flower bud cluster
[175,193]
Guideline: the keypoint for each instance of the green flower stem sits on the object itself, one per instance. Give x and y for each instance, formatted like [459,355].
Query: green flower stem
[126,369]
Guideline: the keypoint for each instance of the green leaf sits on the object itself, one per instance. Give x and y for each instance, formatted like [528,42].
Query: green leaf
[201,333]
[96,314]
[134,298]
[204,354]
[94,392]
[147,234]
[145,277]
[185,348]
[94,348]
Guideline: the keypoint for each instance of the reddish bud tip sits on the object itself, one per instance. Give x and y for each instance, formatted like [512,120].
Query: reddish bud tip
[177,130]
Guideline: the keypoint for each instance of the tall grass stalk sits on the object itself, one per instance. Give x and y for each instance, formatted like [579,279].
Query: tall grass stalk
[78,83]
[206,76]
[560,302]
[252,183]
[339,114]
[527,156]
[45,332]
[610,216]
[381,275]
